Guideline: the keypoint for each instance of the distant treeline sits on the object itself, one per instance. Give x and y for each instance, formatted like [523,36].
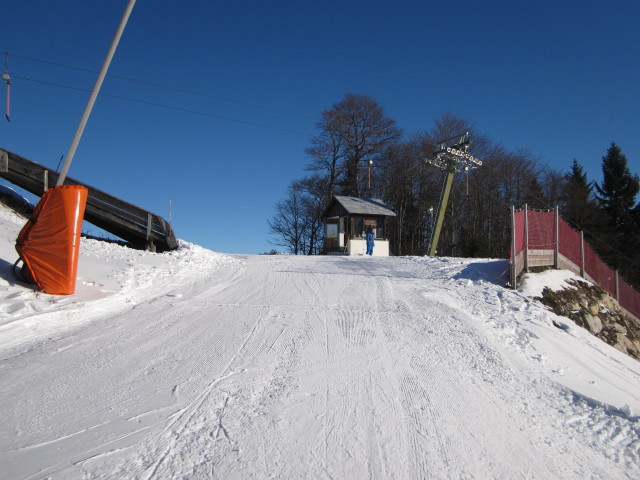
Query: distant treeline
[357,137]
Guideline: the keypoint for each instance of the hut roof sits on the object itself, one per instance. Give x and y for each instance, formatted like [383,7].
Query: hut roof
[359,206]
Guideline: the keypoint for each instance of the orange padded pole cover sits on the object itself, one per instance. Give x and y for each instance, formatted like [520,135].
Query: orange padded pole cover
[49,244]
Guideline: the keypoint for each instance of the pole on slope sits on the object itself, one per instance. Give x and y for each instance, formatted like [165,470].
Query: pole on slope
[526,238]
[442,208]
[7,80]
[556,251]
[449,158]
[582,254]
[94,92]
[514,272]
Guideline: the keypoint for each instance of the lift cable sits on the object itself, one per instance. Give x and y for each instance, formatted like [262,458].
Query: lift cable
[168,87]
[170,107]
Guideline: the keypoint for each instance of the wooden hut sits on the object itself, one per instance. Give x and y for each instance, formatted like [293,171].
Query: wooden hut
[347,220]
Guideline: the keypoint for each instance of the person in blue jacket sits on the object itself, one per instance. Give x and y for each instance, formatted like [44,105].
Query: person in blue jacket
[370,237]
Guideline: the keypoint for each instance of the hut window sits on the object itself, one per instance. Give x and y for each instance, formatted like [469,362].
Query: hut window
[357,226]
[377,224]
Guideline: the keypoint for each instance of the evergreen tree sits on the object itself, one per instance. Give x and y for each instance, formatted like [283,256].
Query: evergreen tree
[577,202]
[579,179]
[616,195]
[616,199]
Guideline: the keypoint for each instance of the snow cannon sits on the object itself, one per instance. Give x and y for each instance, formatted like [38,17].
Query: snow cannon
[49,244]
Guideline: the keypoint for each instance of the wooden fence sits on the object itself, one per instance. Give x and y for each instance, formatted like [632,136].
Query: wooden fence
[140,228]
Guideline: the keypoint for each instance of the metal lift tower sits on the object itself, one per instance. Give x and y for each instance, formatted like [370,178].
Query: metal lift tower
[451,156]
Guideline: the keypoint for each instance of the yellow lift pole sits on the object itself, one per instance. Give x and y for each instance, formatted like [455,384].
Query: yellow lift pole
[451,155]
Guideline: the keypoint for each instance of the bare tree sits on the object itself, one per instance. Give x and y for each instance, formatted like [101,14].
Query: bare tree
[353,133]
[297,224]
[327,153]
[477,223]
[553,185]
[410,188]
[313,203]
[288,223]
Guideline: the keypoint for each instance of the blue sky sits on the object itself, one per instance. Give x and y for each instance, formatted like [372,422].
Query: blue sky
[559,78]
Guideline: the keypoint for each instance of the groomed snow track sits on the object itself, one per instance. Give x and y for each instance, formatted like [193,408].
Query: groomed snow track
[211,366]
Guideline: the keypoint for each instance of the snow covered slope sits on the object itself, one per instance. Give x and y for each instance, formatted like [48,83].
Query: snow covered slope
[194,364]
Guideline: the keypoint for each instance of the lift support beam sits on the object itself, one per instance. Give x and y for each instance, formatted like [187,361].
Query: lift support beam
[444,199]
[138,227]
[451,155]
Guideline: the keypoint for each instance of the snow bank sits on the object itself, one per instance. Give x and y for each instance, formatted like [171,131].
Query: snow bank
[111,279]
[532,284]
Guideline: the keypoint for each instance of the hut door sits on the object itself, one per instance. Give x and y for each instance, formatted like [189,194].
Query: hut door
[346,221]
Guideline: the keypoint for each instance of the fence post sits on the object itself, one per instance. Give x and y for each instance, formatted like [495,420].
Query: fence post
[513,247]
[555,253]
[148,227]
[526,238]
[4,161]
[46,180]
[582,254]
[617,288]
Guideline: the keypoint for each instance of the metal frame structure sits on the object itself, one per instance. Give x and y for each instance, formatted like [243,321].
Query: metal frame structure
[451,156]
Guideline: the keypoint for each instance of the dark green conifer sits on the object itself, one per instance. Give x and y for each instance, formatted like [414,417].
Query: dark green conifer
[617,193]
[578,205]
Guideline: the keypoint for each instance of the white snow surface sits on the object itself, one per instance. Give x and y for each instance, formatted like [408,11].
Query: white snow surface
[534,283]
[195,364]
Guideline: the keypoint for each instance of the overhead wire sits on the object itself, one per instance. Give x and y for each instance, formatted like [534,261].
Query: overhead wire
[166,87]
[170,107]
[604,243]
[197,112]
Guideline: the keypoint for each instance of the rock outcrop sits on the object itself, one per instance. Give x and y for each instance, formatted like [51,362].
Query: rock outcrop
[590,307]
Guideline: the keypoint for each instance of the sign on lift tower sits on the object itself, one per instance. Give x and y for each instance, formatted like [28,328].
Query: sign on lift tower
[451,156]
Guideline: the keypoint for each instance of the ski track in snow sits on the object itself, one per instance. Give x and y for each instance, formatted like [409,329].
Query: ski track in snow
[201,365]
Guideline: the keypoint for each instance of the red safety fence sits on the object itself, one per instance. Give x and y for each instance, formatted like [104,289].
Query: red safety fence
[543,238]
[570,243]
[542,235]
